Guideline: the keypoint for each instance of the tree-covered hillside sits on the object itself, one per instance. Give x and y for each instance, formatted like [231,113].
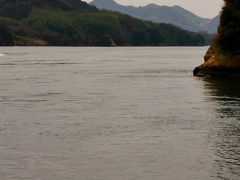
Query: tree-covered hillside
[75,23]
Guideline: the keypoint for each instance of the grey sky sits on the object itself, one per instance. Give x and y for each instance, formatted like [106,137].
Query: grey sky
[203,8]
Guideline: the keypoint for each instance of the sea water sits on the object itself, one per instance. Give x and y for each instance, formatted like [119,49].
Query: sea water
[125,113]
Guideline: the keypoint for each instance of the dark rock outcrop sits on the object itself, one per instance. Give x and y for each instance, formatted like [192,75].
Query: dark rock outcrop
[223,57]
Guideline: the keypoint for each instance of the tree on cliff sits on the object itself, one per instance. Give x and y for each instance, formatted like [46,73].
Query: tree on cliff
[229,30]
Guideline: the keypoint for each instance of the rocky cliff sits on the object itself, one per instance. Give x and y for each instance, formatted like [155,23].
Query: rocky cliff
[223,56]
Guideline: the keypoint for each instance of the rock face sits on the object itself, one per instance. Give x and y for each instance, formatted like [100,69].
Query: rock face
[223,57]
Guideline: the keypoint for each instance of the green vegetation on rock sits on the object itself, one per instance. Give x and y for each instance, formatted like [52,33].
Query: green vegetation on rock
[229,31]
[75,23]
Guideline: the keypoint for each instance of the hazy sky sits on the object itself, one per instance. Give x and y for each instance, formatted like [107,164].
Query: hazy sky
[203,8]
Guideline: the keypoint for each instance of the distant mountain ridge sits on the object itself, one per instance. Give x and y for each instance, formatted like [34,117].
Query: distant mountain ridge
[175,15]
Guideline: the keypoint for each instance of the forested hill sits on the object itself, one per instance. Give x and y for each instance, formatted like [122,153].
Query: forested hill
[75,23]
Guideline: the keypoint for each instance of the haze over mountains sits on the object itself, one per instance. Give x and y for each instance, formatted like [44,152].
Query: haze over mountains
[175,15]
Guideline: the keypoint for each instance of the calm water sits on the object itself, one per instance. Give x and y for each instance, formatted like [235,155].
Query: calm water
[115,114]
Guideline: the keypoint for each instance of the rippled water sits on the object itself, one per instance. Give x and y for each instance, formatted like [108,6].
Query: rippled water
[115,114]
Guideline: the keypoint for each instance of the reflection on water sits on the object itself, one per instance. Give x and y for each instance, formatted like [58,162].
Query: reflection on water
[226,127]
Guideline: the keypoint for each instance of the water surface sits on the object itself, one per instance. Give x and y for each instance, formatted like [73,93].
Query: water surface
[115,114]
